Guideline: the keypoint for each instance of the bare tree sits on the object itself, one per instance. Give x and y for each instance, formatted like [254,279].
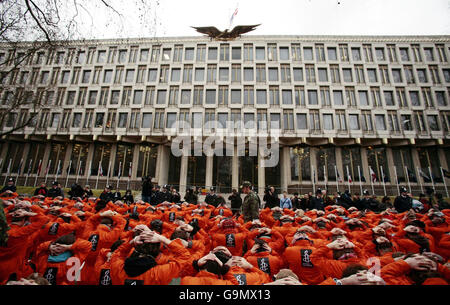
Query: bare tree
[30,27]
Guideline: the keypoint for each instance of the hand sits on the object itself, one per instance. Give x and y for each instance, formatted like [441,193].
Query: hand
[108,213]
[66,215]
[306,229]
[209,257]
[378,230]
[264,230]
[140,228]
[285,281]
[242,262]
[419,262]
[411,229]
[338,244]
[434,257]
[79,213]
[331,216]
[382,239]
[352,209]
[338,231]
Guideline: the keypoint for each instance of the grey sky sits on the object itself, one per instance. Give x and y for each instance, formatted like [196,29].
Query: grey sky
[296,17]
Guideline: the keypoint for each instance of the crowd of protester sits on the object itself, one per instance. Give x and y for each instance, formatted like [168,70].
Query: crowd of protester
[313,239]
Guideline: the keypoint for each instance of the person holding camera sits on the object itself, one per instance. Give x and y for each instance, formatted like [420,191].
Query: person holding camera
[147,187]
[271,198]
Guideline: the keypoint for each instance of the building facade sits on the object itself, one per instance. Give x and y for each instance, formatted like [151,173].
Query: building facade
[349,111]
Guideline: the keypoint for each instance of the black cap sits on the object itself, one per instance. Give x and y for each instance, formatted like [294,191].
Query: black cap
[366,192]
[212,189]
[55,183]
[10,180]
[403,189]
[319,191]
[108,186]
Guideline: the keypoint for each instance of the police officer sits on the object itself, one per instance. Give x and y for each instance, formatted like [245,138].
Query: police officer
[403,202]
[317,201]
[107,195]
[250,206]
[211,197]
[369,203]
[10,186]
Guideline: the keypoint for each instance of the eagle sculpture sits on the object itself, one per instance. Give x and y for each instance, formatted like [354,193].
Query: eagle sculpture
[214,33]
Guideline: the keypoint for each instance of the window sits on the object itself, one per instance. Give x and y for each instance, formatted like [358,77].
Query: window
[332,54]
[350,95]
[372,74]
[310,74]
[92,100]
[236,73]
[212,53]
[275,121]
[176,74]
[143,57]
[433,122]
[341,124]
[320,52]
[273,74]
[356,54]
[222,120]
[86,77]
[88,117]
[274,96]
[392,53]
[187,74]
[236,53]
[44,77]
[434,75]
[406,122]
[249,120]
[76,120]
[343,50]
[123,116]
[164,74]
[363,98]
[236,96]
[126,96]
[104,94]
[298,74]
[122,56]
[401,97]
[379,52]
[155,53]
[189,54]
[389,98]
[288,120]
[409,74]
[347,72]
[149,95]
[366,119]
[272,52]
[223,95]
[140,74]
[137,97]
[248,74]
[404,54]
[440,98]
[161,97]
[419,121]
[397,76]
[353,121]
[312,97]
[337,97]
[197,120]
[414,96]
[115,94]
[224,52]
[249,98]
[248,52]
[416,53]
[260,53]
[359,71]
[314,122]
[199,74]
[308,53]
[119,75]
[422,75]
[260,73]
[328,122]
[323,74]
[111,120]
[171,120]
[325,96]
[284,53]
[166,54]
[426,93]
[261,97]
[129,78]
[296,52]
[334,71]
[446,75]
[393,121]
[177,53]
[146,120]
[301,121]
[287,97]
[96,77]
[285,73]
[201,53]
[384,74]
[70,97]
[134,119]
[212,72]
[185,96]
[210,96]
[429,56]
[380,122]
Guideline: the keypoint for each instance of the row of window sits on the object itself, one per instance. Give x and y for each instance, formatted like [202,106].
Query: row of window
[236,74]
[315,121]
[223,95]
[225,52]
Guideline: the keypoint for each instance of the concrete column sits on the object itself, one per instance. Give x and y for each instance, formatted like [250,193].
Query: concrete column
[26,150]
[391,164]
[235,170]
[339,164]
[135,162]
[284,167]
[164,157]
[312,159]
[442,159]
[365,166]
[183,173]
[89,158]
[66,161]
[47,152]
[209,171]
[261,173]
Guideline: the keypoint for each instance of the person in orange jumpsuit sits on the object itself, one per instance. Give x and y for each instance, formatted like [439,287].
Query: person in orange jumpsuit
[334,257]
[257,230]
[262,256]
[436,224]
[103,264]
[298,256]
[102,230]
[53,259]
[230,235]
[24,226]
[355,274]
[245,273]
[414,239]
[64,224]
[141,267]
[415,269]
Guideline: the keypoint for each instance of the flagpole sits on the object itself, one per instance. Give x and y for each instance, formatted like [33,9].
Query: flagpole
[129,175]
[107,177]
[118,176]
[88,173]
[337,178]
[360,184]
[28,173]
[407,177]
[431,177]
[98,173]
[348,180]
[78,171]
[371,180]
[18,170]
[382,176]
[396,179]
[314,180]
[419,178]
[325,178]
[443,180]
[57,170]
[8,171]
[38,172]
[68,173]
[47,170]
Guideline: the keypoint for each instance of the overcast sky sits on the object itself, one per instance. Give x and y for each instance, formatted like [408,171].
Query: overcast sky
[295,17]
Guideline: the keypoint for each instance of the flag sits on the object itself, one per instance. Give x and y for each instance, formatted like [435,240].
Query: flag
[130,169]
[373,175]
[446,173]
[338,176]
[232,16]
[424,176]
[39,168]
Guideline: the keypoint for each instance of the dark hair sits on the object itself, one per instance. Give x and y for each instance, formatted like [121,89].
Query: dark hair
[106,221]
[180,234]
[100,205]
[353,269]
[116,244]
[67,239]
